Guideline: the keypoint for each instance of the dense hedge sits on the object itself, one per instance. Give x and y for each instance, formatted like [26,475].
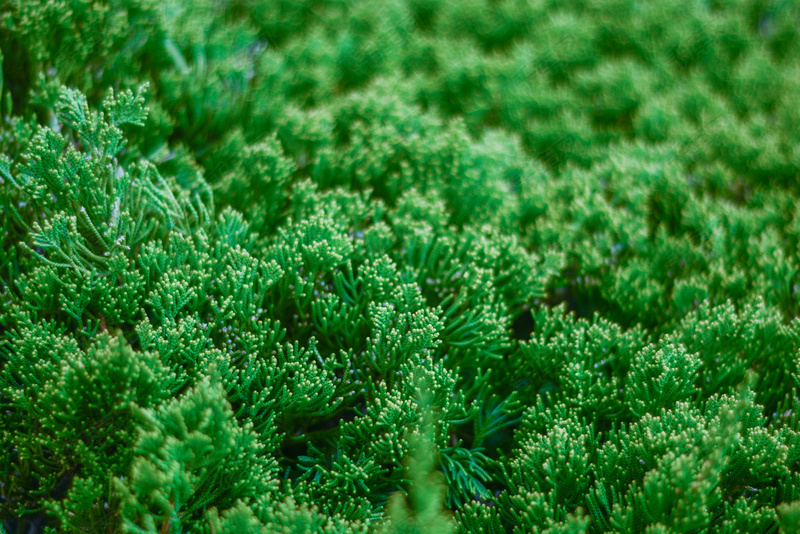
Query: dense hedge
[399,266]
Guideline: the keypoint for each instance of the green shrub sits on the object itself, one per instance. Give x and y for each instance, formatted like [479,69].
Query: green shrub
[404,267]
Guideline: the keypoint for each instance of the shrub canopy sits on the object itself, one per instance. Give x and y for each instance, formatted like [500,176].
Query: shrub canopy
[399,266]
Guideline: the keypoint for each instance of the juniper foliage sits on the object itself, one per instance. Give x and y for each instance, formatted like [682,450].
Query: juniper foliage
[404,266]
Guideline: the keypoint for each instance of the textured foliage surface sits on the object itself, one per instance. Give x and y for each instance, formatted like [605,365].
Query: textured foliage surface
[399,266]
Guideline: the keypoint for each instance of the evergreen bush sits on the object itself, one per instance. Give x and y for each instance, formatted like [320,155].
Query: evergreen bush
[399,266]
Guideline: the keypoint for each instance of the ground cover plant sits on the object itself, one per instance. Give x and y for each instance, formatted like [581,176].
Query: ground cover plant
[399,266]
